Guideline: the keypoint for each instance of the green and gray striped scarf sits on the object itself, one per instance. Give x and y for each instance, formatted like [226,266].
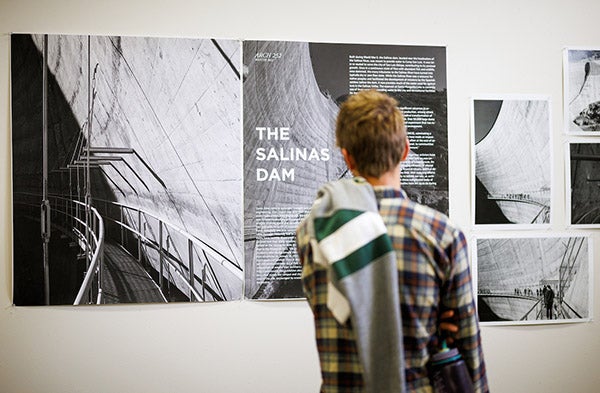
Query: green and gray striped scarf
[349,237]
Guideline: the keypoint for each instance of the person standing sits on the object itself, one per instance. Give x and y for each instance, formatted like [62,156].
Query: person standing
[549,301]
[344,254]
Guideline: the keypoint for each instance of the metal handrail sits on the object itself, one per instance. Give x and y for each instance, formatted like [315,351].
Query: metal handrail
[176,262]
[96,259]
[525,317]
[171,259]
[96,232]
[526,200]
[595,210]
[225,262]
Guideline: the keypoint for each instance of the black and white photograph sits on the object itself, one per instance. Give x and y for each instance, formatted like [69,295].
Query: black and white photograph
[583,183]
[511,162]
[292,93]
[126,169]
[582,91]
[534,278]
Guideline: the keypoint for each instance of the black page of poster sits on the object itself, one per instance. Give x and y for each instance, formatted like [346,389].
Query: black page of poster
[291,93]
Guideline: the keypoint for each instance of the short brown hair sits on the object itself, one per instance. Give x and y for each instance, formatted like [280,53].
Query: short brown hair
[371,128]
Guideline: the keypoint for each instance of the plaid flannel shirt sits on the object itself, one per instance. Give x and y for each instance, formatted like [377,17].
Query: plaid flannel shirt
[433,273]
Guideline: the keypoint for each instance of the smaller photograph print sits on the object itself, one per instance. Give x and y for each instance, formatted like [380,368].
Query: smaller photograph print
[511,161]
[583,184]
[582,91]
[536,279]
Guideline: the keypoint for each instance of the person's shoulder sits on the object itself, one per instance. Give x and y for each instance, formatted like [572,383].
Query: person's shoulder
[429,221]
[302,231]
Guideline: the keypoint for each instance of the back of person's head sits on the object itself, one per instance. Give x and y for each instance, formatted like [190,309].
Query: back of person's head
[371,128]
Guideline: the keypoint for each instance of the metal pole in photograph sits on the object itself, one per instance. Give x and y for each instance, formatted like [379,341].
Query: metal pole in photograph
[139,236]
[191,268]
[167,264]
[160,254]
[88,250]
[122,222]
[204,282]
[100,260]
[144,248]
[45,208]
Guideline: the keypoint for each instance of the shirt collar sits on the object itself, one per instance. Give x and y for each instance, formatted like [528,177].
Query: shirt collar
[382,192]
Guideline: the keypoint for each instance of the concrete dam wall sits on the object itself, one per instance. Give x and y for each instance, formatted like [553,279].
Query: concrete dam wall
[171,109]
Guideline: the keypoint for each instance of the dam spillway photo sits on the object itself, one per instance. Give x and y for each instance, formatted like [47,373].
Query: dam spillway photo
[533,278]
[126,169]
[512,162]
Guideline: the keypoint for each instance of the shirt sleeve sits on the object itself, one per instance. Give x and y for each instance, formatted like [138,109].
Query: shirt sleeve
[305,255]
[458,296]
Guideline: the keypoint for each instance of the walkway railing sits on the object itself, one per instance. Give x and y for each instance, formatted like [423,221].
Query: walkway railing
[543,214]
[177,251]
[74,213]
[96,233]
[592,216]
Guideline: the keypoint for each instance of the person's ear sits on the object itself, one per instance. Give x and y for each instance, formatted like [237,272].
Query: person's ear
[406,149]
[349,160]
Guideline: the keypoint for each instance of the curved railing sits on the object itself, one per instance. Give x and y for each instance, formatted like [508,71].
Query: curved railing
[95,262]
[90,237]
[517,199]
[543,213]
[536,309]
[151,231]
[594,213]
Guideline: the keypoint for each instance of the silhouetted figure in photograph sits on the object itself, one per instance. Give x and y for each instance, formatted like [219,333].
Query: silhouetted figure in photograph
[548,300]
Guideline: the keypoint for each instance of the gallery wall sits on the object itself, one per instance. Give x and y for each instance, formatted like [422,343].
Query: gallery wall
[509,47]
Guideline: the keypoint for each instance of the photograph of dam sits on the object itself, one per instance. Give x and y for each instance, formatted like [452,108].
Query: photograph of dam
[291,97]
[533,279]
[583,184]
[582,91]
[126,160]
[512,161]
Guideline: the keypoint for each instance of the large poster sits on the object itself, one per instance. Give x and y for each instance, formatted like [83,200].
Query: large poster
[292,92]
[127,159]
[533,278]
[126,169]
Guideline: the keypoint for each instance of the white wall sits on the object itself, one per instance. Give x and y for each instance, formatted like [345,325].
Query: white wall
[510,46]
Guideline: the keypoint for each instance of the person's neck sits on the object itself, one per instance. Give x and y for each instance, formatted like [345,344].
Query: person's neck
[388,179]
